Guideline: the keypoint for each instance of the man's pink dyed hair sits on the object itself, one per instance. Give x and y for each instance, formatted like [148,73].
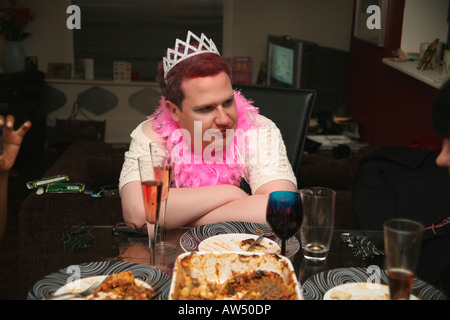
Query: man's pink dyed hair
[201,65]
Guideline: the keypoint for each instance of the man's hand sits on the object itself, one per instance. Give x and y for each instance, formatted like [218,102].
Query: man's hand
[11,141]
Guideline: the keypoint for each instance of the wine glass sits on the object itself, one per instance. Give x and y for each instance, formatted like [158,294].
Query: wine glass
[152,173]
[284,215]
[162,246]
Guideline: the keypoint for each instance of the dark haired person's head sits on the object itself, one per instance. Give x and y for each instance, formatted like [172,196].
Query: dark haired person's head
[440,117]
[441,111]
[201,65]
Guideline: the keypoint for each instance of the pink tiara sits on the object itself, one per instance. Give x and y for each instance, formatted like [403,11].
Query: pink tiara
[175,56]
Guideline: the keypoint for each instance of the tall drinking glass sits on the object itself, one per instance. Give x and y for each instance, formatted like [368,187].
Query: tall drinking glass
[316,231]
[156,148]
[152,173]
[402,241]
[284,215]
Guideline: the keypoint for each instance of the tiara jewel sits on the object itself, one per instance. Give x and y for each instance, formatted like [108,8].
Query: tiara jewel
[176,55]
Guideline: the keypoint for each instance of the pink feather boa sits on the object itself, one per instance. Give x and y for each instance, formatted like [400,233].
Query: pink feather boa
[190,173]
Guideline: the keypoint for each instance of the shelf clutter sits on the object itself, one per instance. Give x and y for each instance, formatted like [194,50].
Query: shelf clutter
[432,77]
[431,65]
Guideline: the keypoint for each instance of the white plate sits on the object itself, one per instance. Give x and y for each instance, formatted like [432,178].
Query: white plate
[360,291]
[83,284]
[53,282]
[316,286]
[232,243]
[191,239]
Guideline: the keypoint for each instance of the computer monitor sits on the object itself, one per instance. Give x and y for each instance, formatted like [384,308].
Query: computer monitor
[288,62]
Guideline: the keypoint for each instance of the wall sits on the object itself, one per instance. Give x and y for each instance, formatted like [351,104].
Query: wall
[123,118]
[423,23]
[391,107]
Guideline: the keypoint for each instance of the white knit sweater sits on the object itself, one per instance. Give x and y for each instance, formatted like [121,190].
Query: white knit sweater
[267,160]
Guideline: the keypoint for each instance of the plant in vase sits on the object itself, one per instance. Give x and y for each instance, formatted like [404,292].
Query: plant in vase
[13,21]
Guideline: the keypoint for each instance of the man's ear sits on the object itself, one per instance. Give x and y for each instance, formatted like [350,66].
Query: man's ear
[173,110]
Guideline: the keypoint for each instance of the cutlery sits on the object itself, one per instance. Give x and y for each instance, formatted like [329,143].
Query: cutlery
[71,295]
[258,240]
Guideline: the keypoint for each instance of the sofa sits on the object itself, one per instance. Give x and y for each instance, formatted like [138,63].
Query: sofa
[324,170]
[43,217]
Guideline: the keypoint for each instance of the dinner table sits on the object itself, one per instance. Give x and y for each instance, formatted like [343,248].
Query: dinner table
[354,256]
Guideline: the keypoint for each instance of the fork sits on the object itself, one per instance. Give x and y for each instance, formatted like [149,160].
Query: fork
[262,235]
[71,295]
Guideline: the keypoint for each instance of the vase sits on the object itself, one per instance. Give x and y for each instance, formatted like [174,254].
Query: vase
[13,57]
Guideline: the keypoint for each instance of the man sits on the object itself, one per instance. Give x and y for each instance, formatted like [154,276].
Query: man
[198,101]
[9,149]
[441,122]
[404,182]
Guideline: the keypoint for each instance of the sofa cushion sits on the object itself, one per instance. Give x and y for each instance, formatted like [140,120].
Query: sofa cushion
[325,171]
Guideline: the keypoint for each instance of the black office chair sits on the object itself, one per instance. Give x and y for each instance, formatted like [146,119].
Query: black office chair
[289,109]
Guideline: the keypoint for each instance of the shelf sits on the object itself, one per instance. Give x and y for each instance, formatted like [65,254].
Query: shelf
[431,77]
[102,82]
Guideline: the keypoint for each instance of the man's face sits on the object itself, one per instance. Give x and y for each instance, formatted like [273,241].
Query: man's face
[443,160]
[208,102]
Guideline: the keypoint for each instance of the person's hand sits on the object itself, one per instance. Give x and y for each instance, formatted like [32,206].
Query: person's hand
[12,140]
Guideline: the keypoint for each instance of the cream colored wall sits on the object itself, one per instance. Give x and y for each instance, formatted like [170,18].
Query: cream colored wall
[424,23]
[120,121]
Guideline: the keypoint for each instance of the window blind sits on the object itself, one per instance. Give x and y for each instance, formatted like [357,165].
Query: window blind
[140,31]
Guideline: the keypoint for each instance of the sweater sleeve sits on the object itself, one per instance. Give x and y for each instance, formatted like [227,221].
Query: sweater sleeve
[267,160]
[139,146]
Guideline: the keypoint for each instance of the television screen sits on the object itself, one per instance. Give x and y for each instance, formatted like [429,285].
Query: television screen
[282,63]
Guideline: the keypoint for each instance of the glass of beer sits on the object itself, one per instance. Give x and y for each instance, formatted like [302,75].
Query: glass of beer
[152,173]
[402,241]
